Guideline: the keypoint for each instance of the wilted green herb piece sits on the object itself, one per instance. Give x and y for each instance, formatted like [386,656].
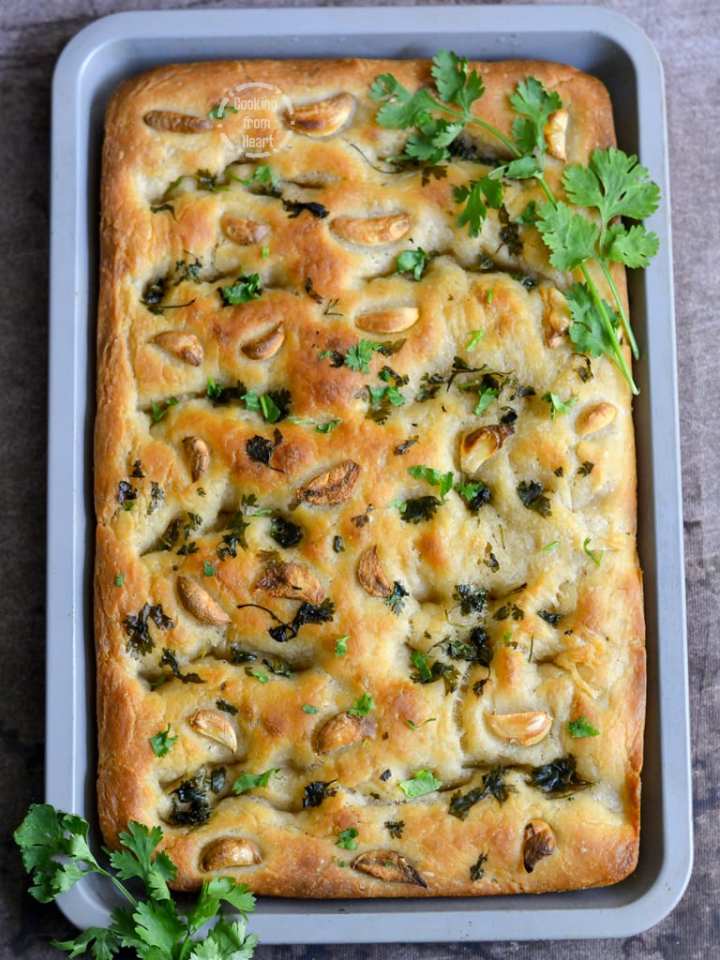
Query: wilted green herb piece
[532,496]
[418,509]
[581,727]
[557,778]
[474,339]
[162,742]
[421,783]
[595,555]
[493,785]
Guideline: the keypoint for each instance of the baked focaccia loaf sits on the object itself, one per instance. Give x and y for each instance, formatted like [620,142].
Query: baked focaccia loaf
[323,668]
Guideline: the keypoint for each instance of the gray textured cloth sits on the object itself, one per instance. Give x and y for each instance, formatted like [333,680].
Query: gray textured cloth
[31,36]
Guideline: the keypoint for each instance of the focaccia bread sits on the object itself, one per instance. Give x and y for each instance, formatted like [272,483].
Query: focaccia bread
[323,673]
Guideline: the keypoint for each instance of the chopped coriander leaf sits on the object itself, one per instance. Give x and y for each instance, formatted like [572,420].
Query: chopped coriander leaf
[251,781]
[471,599]
[358,357]
[338,545]
[487,396]
[493,785]
[557,778]
[362,706]
[475,494]
[341,645]
[474,339]
[158,410]
[581,727]
[162,742]
[477,870]
[421,783]
[208,569]
[396,599]
[246,288]
[347,839]
[444,481]
[595,555]
[549,547]
[265,251]
[413,262]
[309,708]
[119,579]
[263,175]
[259,675]
[559,407]
[284,532]
[219,110]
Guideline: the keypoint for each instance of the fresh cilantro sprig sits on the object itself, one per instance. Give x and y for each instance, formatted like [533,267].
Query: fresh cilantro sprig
[56,853]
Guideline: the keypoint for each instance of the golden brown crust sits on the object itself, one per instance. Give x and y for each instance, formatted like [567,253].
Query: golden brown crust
[165,504]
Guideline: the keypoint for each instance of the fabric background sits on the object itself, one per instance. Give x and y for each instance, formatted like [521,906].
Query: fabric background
[32,34]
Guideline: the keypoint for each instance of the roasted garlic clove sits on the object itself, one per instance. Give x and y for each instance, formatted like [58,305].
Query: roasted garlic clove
[200,604]
[229,852]
[266,345]
[292,581]
[392,320]
[331,487]
[371,231]
[524,728]
[343,730]
[388,866]
[242,231]
[215,726]
[371,575]
[198,455]
[556,315]
[479,445]
[184,346]
[538,842]
[168,121]
[595,418]
[323,117]
[556,134]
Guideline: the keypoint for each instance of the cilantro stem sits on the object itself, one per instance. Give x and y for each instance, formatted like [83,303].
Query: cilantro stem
[470,118]
[607,323]
[620,307]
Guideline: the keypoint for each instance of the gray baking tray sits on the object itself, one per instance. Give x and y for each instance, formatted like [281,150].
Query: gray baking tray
[596,40]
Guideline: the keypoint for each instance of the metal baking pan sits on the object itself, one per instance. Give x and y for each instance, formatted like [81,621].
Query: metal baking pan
[596,40]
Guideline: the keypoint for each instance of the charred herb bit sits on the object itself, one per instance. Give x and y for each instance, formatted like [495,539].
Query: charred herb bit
[510,233]
[557,778]
[137,470]
[509,610]
[509,417]
[259,449]
[190,803]
[471,599]
[395,828]
[171,534]
[386,775]
[549,617]
[585,468]
[532,496]
[212,182]
[474,493]
[294,208]
[316,791]
[306,613]
[157,495]
[137,627]
[474,649]
[221,395]
[226,707]
[162,207]
[284,532]
[338,544]
[238,655]
[490,560]
[217,779]
[257,674]
[169,659]
[493,785]
[477,870]
[278,667]
[362,519]
[419,509]
[479,686]
[584,371]
[126,495]
[430,384]
[396,599]
[402,448]
[246,288]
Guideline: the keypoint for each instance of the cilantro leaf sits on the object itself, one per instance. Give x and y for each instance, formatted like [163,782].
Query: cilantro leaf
[226,941]
[347,839]
[136,860]
[412,261]
[587,331]
[101,943]
[534,104]
[570,236]
[215,891]
[46,834]
[634,246]
[421,783]
[558,406]
[358,357]
[443,481]
[453,80]
[362,706]
[581,727]
[246,288]
[158,926]
[250,781]
[162,742]
[400,108]
[614,183]
[341,645]
[477,197]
